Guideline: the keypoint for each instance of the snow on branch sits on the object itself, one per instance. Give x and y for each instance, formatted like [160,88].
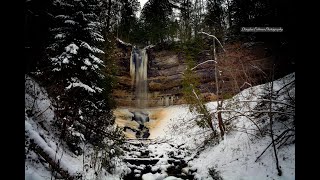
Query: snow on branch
[47,150]
[96,59]
[86,45]
[78,83]
[245,83]
[149,46]
[63,17]
[124,43]
[214,38]
[60,36]
[97,50]
[72,48]
[72,22]
[203,63]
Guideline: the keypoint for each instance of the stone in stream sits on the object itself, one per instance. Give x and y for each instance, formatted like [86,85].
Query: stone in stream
[141,118]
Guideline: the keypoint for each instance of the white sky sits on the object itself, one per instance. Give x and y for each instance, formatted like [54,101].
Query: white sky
[142,2]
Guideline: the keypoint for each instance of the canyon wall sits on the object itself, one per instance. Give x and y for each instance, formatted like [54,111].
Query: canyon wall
[243,65]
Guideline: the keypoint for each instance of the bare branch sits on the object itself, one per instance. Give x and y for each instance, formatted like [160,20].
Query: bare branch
[211,60]
[267,100]
[282,134]
[245,84]
[279,112]
[243,115]
[214,38]
[286,85]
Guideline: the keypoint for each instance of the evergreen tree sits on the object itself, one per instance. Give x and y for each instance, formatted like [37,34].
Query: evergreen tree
[76,71]
[128,19]
[215,18]
[156,18]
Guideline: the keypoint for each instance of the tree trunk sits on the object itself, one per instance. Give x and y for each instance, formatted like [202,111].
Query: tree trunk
[220,122]
[229,13]
[109,16]
[54,165]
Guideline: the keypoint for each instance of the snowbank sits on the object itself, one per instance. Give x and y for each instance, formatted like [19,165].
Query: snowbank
[234,157]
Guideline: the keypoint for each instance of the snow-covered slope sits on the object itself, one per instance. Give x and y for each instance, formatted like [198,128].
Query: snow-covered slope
[41,134]
[235,156]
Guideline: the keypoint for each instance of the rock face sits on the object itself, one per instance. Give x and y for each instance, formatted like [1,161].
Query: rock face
[239,68]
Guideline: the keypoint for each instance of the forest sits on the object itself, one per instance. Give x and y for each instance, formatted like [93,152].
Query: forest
[117,89]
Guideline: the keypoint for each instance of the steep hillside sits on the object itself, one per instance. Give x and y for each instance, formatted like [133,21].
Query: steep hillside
[47,156]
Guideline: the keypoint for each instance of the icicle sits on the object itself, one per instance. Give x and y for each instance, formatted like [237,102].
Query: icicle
[132,67]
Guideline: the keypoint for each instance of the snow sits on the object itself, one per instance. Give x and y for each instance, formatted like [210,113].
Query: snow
[172,178]
[63,16]
[234,157]
[97,50]
[149,46]
[65,60]
[35,136]
[78,83]
[36,101]
[37,98]
[86,45]
[70,22]
[156,176]
[87,62]
[60,36]
[124,43]
[72,48]
[95,59]
[39,128]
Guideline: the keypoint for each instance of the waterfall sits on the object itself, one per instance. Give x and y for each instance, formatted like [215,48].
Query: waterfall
[132,68]
[139,75]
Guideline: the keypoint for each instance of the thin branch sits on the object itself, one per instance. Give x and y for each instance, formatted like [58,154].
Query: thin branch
[286,85]
[267,100]
[271,121]
[287,137]
[245,84]
[282,134]
[245,132]
[42,112]
[214,38]
[211,60]
[243,115]
[279,112]
[259,69]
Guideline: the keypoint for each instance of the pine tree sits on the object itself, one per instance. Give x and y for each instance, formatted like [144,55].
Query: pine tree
[156,18]
[128,19]
[76,71]
[215,18]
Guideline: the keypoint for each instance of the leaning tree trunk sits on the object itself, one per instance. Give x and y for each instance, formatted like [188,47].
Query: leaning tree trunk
[219,102]
[53,163]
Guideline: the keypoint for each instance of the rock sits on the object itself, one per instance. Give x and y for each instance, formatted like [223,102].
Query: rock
[165,68]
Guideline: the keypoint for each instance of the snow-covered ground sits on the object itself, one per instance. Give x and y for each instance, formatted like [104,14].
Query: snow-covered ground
[234,157]
[39,129]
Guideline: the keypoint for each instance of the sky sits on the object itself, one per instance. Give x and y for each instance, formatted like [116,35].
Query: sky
[142,2]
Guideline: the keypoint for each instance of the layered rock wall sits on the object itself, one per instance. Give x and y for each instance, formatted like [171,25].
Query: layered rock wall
[241,67]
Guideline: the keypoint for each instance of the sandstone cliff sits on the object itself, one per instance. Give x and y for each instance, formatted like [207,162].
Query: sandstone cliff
[241,66]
